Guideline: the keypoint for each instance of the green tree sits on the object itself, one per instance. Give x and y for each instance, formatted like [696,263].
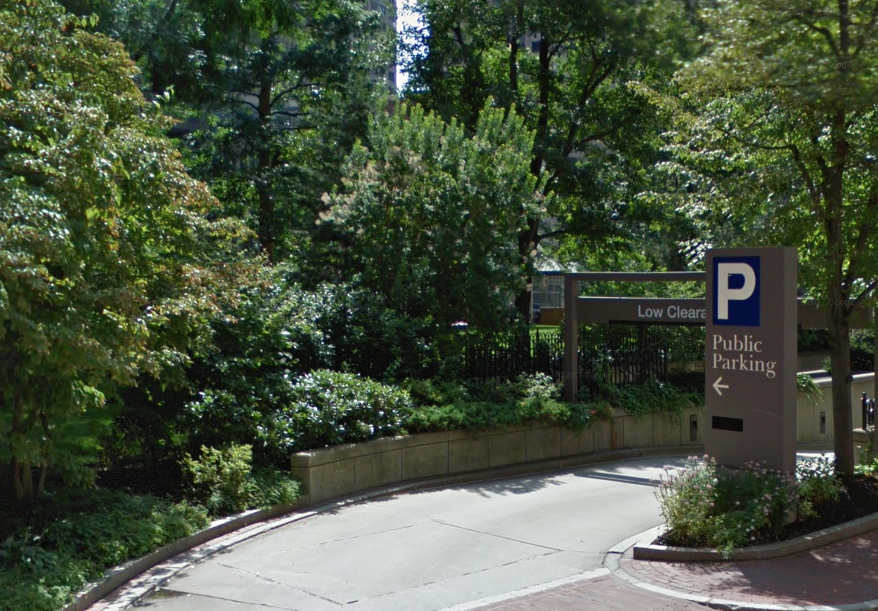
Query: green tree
[429,215]
[782,118]
[286,87]
[595,132]
[103,240]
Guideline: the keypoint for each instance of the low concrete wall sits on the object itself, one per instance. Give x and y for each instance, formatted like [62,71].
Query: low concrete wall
[342,470]
[809,361]
[813,409]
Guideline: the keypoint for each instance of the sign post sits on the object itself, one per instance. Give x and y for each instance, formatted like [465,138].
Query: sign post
[750,361]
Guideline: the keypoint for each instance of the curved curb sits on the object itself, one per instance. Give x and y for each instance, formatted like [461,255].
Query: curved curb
[612,562]
[194,549]
[122,574]
[665,553]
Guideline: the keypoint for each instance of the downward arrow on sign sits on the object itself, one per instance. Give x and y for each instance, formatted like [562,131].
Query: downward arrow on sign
[717,386]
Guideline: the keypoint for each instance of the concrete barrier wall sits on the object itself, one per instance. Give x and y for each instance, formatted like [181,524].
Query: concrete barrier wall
[819,406]
[346,469]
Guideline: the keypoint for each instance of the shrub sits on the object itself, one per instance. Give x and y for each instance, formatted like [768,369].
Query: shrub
[72,536]
[818,483]
[867,462]
[273,487]
[435,392]
[497,404]
[329,408]
[726,508]
[256,349]
[222,480]
[650,397]
[370,338]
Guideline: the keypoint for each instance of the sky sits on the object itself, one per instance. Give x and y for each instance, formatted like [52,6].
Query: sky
[404,18]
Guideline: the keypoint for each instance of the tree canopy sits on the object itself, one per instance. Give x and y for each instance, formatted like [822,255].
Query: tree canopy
[779,117]
[103,237]
[276,93]
[429,214]
[575,86]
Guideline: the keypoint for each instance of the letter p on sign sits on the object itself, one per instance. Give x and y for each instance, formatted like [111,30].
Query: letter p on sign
[736,291]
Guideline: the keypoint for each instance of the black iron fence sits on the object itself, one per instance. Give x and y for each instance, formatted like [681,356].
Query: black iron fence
[505,357]
[609,355]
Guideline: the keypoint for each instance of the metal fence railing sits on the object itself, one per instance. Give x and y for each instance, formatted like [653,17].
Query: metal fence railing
[615,355]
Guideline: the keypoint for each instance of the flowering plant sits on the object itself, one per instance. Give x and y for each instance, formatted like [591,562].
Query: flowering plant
[707,505]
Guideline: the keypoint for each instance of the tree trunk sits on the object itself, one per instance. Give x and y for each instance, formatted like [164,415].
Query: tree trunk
[17,485]
[17,425]
[840,358]
[263,167]
[527,243]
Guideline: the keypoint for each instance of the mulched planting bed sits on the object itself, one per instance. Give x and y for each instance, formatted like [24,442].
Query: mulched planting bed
[859,498]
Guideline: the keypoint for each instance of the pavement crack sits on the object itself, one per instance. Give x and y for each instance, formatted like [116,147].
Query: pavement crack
[467,574]
[481,532]
[279,583]
[351,538]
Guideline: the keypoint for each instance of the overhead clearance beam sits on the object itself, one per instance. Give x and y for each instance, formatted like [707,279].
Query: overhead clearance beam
[660,311]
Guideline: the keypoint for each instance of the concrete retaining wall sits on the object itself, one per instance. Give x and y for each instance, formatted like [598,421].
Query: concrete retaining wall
[346,469]
[811,410]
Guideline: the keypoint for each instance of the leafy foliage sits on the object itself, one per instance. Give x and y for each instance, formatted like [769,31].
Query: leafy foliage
[429,215]
[487,405]
[103,239]
[653,396]
[707,505]
[818,483]
[271,96]
[574,75]
[73,536]
[223,481]
[328,408]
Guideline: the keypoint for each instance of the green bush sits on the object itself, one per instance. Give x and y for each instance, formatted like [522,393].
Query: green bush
[329,408]
[818,483]
[222,480]
[72,536]
[435,392]
[242,373]
[498,404]
[706,505]
[651,397]
[273,487]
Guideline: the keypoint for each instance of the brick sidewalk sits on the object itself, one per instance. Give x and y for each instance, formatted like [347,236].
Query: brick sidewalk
[842,573]
[608,593]
[837,574]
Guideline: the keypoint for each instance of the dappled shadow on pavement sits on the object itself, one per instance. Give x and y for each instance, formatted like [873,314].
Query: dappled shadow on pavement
[836,574]
[514,485]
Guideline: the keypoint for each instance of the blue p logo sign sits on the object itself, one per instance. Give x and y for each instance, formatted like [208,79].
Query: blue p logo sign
[736,291]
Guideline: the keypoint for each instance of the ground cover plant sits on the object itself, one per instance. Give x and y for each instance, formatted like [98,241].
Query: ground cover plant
[70,537]
[706,505]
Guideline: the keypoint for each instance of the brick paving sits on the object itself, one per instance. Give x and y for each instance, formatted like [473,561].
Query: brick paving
[842,573]
[837,574]
[608,593]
